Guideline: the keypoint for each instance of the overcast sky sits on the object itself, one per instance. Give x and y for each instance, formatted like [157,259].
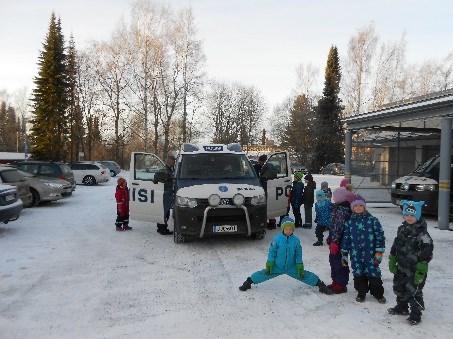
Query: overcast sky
[254,42]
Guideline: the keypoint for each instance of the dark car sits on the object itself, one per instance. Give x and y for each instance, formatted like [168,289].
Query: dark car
[50,169]
[10,204]
[114,168]
[334,168]
[11,176]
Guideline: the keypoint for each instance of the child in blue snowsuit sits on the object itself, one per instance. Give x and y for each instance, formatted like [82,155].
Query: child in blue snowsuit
[297,197]
[285,257]
[323,209]
[364,241]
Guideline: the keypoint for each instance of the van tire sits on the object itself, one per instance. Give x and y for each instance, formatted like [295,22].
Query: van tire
[35,200]
[89,180]
[178,238]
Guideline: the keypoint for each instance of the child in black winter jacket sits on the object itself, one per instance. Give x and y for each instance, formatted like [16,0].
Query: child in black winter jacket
[309,199]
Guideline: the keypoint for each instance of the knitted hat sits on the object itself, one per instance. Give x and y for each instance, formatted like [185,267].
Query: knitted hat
[412,208]
[308,177]
[287,222]
[344,182]
[341,195]
[298,176]
[324,185]
[358,201]
[320,195]
[121,181]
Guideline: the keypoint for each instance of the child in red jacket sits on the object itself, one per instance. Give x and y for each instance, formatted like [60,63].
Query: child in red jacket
[122,206]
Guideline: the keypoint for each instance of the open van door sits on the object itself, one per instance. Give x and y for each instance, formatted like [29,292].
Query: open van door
[146,199]
[278,184]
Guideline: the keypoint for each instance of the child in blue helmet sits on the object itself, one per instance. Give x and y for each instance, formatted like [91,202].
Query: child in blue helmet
[410,254]
[285,257]
[323,209]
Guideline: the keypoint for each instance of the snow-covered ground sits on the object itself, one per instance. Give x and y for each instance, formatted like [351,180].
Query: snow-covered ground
[65,273]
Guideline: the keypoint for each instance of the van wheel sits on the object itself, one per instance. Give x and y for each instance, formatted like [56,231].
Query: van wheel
[258,235]
[89,180]
[178,238]
[35,197]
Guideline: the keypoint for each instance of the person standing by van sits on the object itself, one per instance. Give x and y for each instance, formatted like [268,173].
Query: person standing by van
[309,199]
[169,171]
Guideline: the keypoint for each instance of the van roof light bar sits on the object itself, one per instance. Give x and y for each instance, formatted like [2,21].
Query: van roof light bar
[190,148]
[234,147]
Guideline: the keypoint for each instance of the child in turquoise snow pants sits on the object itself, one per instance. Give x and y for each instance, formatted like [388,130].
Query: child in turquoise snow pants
[285,257]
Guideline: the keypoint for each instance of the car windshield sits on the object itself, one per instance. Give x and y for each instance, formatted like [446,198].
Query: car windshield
[11,176]
[216,166]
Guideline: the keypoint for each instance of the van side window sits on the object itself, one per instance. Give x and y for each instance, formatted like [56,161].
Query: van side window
[278,164]
[146,166]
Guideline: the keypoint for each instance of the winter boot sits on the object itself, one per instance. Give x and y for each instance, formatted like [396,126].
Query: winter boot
[381,300]
[414,319]
[337,288]
[272,224]
[360,298]
[318,243]
[399,309]
[246,285]
[307,226]
[323,288]
[119,228]
[127,227]
[166,231]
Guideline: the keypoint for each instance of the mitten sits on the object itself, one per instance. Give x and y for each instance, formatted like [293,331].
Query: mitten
[420,273]
[393,264]
[300,270]
[344,259]
[334,248]
[377,258]
[269,267]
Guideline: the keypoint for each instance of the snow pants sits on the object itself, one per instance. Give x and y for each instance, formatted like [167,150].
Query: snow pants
[338,272]
[309,277]
[122,221]
[308,214]
[363,284]
[408,293]
[297,215]
[319,232]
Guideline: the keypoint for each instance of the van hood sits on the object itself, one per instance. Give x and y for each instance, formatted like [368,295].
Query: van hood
[415,180]
[203,191]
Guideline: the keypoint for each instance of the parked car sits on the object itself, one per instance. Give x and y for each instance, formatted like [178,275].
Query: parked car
[46,189]
[298,168]
[90,173]
[10,203]
[334,168]
[114,168]
[46,169]
[11,176]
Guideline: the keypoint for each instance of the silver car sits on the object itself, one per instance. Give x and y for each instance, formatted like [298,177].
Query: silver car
[45,189]
[10,204]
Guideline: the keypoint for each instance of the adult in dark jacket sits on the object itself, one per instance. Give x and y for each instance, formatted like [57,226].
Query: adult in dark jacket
[169,174]
[309,199]
[259,165]
[410,254]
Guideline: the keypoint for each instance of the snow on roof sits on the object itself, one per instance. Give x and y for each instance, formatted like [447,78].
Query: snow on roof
[12,156]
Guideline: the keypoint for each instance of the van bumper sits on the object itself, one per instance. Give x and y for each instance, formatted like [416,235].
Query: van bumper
[429,197]
[202,221]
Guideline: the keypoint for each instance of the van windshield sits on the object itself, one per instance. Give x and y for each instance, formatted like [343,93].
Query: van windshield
[216,166]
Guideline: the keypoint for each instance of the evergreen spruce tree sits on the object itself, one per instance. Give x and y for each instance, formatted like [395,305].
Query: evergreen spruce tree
[3,127]
[49,131]
[76,128]
[329,129]
[299,132]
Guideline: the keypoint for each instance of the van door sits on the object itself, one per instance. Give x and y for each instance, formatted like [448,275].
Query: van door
[146,199]
[278,185]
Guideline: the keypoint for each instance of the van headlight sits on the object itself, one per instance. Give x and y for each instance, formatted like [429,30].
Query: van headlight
[393,185]
[258,200]
[186,202]
[426,187]
[214,200]
[238,199]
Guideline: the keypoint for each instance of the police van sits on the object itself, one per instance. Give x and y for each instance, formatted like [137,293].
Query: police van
[421,185]
[216,191]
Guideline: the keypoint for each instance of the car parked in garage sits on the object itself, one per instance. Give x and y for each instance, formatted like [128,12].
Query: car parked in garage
[49,169]
[11,176]
[10,203]
[114,168]
[45,189]
[90,173]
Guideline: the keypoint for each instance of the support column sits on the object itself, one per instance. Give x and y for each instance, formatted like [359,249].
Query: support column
[347,154]
[444,174]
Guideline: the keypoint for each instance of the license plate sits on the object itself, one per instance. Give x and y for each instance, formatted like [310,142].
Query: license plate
[224,228]
[9,197]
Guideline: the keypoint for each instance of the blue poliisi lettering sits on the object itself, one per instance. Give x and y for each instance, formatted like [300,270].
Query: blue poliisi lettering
[143,195]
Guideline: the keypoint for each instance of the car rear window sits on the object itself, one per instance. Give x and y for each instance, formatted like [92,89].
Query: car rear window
[48,170]
[30,168]
[65,169]
[11,176]
[92,167]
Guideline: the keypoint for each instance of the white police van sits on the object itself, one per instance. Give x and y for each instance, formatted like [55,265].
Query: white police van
[216,192]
